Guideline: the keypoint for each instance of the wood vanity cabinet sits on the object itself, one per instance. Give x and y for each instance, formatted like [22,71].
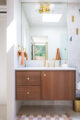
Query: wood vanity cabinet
[45,85]
[58,85]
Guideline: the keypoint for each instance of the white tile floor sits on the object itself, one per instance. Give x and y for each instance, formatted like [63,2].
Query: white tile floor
[3,112]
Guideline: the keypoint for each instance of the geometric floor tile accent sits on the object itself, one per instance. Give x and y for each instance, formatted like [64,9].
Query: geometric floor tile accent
[44,117]
[47,113]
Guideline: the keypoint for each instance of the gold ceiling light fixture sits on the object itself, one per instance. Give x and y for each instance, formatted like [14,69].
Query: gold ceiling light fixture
[44,8]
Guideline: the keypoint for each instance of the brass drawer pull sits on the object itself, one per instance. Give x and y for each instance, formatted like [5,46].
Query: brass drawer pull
[28,93]
[28,78]
[44,75]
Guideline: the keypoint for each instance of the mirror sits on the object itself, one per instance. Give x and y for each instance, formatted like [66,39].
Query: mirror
[44,30]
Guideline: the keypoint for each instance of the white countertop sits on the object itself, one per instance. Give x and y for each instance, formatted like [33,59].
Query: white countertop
[46,68]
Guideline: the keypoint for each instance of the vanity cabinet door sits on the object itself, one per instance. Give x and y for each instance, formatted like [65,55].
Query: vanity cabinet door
[58,85]
[46,85]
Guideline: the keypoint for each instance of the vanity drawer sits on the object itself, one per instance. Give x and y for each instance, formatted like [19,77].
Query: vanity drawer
[27,78]
[28,92]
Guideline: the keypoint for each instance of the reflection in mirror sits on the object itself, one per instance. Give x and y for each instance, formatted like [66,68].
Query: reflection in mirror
[39,48]
[44,30]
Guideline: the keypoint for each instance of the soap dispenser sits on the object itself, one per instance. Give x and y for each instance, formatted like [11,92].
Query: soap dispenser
[59,63]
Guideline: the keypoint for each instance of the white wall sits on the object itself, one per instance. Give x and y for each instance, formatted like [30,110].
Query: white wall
[3,59]
[2,2]
[13,35]
[74,45]
[57,38]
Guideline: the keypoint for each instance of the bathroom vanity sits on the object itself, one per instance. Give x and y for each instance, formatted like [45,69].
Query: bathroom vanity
[45,84]
[40,45]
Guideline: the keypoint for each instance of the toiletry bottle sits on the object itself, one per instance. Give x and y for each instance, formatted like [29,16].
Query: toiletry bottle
[54,64]
[59,63]
[54,60]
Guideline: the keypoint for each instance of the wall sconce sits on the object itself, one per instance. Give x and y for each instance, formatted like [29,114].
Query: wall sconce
[77,31]
[72,18]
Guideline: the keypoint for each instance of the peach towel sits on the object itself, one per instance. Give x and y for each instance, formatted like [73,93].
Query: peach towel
[58,54]
[22,58]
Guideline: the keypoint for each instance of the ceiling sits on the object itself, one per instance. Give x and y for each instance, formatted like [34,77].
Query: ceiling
[56,1]
[35,18]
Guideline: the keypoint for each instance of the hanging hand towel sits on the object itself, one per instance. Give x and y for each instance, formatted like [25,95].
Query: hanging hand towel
[22,58]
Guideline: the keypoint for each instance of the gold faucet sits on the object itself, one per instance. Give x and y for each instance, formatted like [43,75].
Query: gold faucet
[44,63]
[54,60]
[48,65]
